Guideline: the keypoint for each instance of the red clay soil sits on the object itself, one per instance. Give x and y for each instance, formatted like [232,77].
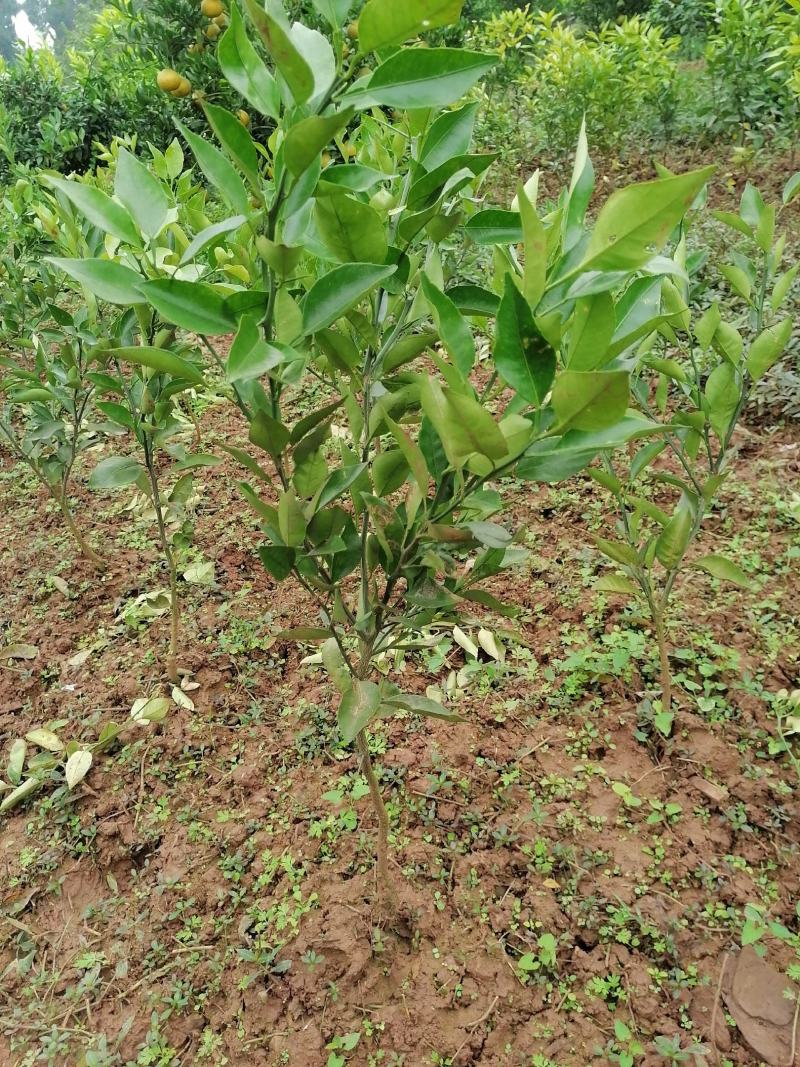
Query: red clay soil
[201,896]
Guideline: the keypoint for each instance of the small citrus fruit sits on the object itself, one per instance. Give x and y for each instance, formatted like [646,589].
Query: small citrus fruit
[243,117]
[168,80]
[211,8]
[183,89]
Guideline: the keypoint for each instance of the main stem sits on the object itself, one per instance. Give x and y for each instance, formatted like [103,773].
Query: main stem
[384,878]
[663,655]
[172,656]
[86,549]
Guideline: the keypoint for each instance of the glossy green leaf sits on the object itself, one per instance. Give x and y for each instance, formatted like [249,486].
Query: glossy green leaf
[721,394]
[272,24]
[556,458]
[99,209]
[291,520]
[420,705]
[450,135]
[250,355]
[768,348]
[635,222]
[590,400]
[115,472]
[534,238]
[453,329]
[141,193]
[674,538]
[339,482]
[338,291]
[219,171]
[358,706]
[235,139]
[522,356]
[385,22]
[206,236]
[269,434]
[617,584]
[108,280]
[244,69]
[350,229]
[591,332]
[495,226]
[463,426]
[160,360]
[193,306]
[720,567]
[425,77]
[306,140]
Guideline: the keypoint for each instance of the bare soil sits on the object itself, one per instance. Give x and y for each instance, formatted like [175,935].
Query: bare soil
[203,899]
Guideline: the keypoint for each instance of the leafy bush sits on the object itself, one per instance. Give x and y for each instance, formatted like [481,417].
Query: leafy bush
[53,111]
[751,93]
[623,79]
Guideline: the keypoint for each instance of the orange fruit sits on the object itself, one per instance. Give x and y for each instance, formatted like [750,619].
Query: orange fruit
[168,80]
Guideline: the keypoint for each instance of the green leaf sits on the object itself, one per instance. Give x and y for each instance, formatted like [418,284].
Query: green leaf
[722,393]
[522,356]
[333,11]
[250,355]
[424,77]
[768,347]
[495,226]
[22,792]
[359,705]
[351,230]
[707,325]
[235,139]
[463,426]
[720,567]
[219,171]
[99,209]
[413,455]
[114,472]
[590,400]
[160,360]
[385,22]
[193,306]
[307,139]
[420,705]
[791,189]
[450,135]
[474,299]
[557,458]
[616,583]
[534,238]
[277,560]
[16,760]
[591,332]
[109,280]
[338,291]
[454,332]
[674,538]
[635,222]
[291,520]
[141,193]
[339,482]
[272,24]
[211,233]
[269,434]
[244,69]
[77,767]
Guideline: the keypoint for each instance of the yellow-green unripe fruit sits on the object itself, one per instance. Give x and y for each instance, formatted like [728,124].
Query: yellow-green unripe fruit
[168,80]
